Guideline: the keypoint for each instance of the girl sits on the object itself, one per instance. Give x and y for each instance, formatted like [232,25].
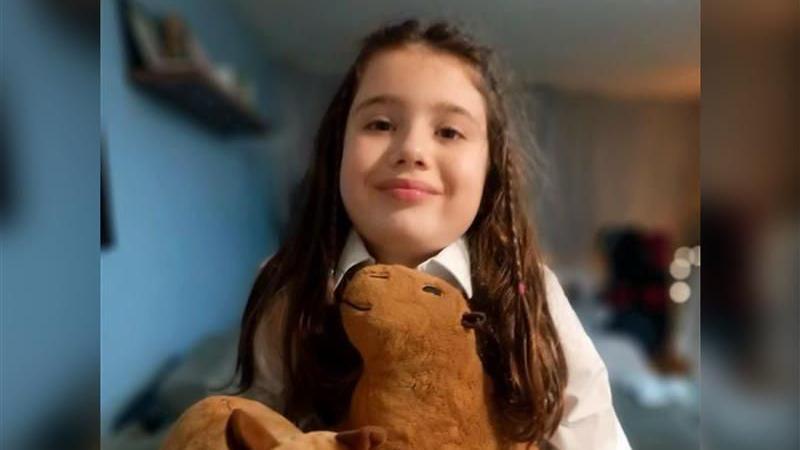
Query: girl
[417,162]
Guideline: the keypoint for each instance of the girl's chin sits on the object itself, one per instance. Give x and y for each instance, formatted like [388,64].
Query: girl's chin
[410,236]
[411,239]
[407,225]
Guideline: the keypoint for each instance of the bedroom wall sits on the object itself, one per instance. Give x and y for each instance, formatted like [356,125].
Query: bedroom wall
[194,214]
[49,244]
[615,161]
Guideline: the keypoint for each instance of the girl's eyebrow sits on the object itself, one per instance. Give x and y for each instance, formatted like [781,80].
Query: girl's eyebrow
[383,99]
[377,100]
[452,108]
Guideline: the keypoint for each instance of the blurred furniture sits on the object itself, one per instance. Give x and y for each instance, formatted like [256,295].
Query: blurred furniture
[637,288]
[206,369]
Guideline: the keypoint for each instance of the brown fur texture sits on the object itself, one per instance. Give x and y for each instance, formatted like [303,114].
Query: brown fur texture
[234,423]
[422,378]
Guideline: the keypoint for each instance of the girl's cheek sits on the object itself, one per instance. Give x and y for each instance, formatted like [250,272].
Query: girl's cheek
[371,147]
[469,172]
[468,164]
[360,157]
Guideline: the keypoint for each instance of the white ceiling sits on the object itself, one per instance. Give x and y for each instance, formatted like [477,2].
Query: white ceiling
[624,48]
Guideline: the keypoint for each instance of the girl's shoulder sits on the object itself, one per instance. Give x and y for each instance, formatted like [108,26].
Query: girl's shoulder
[571,331]
[556,298]
[550,279]
[268,355]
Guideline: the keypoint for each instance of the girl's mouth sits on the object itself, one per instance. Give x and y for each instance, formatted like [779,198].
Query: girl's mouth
[407,190]
[408,195]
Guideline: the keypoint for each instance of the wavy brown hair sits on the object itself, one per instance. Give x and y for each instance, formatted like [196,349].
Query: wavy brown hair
[519,347]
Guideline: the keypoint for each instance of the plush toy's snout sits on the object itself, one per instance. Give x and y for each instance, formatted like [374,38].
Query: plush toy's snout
[358,306]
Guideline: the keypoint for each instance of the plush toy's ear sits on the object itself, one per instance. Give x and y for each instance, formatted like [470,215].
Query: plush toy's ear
[364,438]
[473,320]
[243,432]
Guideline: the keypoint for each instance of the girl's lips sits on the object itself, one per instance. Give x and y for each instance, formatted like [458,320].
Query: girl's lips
[407,190]
[409,195]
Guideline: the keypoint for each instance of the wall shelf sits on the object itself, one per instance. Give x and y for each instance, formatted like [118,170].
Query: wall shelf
[196,92]
[186,82]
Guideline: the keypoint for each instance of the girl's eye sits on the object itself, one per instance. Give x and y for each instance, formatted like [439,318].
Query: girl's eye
[450,133]
[379,125]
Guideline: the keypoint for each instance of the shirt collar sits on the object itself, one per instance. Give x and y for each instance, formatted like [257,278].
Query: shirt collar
[451,263]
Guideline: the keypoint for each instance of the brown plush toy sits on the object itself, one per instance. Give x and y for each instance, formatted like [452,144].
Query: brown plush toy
[422,379]
[234,423]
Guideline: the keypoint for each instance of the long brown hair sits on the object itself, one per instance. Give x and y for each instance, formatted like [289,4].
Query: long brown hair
[519,346]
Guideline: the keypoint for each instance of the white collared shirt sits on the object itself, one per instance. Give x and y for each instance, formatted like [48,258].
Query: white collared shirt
[451,264]
[589,421]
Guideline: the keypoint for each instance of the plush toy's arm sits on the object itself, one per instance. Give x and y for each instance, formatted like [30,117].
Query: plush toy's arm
[203,425]
[234,423]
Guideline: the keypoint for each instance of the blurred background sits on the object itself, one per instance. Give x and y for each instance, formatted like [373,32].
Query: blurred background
[208,110]
[151,149]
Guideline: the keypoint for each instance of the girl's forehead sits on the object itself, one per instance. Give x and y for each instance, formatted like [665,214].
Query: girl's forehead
[416,75]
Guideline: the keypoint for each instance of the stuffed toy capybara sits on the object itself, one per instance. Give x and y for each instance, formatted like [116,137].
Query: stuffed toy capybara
[422,379]
[234,423]
[422,386]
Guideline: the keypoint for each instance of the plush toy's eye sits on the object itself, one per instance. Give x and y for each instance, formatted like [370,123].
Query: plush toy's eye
[431,289]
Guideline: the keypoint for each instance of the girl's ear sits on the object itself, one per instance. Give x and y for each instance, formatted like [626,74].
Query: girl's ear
[243,432]
[364,438]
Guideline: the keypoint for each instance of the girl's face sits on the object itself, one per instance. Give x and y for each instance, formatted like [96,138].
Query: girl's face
[415,153]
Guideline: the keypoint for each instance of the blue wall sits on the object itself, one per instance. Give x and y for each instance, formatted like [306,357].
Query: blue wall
[49,274]
[191,210]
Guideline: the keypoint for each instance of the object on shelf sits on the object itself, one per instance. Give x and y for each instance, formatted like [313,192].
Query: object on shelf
[180,46]
[166,60]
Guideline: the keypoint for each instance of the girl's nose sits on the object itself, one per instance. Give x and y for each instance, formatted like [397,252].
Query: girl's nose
[410,148]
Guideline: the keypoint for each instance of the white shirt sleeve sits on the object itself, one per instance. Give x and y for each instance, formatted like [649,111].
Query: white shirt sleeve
[589,420]
[268,385]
